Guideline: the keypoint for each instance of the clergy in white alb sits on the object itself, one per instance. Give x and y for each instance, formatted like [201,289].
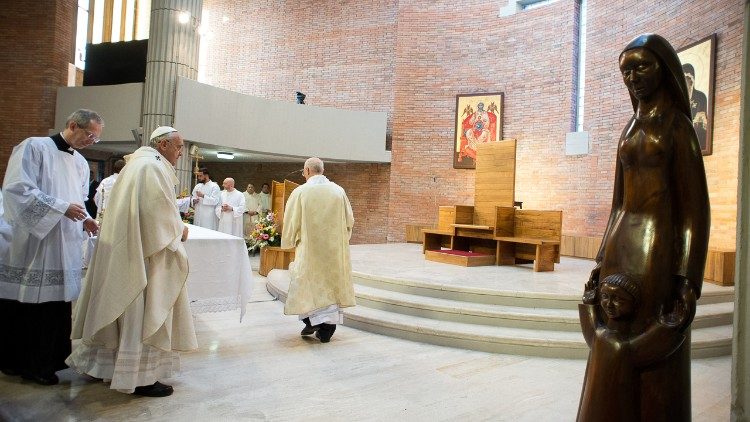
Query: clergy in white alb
[46,184]
[318,221]
[105,187]
[230,209]
[133,315]
[206,196]
[252,210]
[6,233]
[264,197]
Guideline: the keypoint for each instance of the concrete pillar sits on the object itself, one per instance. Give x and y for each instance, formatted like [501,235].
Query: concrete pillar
[172,51]
[740,409]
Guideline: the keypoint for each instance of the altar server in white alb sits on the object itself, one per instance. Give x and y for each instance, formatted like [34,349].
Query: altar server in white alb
[46,184]
[133,315]
[318,221]
[252,209]
[105,187]
[206,196]
[230,209]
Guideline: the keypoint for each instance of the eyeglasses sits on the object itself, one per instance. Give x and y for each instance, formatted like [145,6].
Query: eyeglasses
[93,138]
[90,135]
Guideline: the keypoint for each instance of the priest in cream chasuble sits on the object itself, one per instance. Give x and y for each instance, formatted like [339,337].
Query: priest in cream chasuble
[318,221]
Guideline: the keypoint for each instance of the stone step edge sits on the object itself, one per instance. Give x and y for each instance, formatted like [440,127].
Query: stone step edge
[369,319]
[706,297]
[356,314]
[516,313]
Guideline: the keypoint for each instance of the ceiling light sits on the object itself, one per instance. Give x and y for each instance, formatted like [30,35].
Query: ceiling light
[184,17]
[225,155]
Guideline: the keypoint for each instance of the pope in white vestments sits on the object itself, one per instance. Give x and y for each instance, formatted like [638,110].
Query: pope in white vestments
[46,184]
[230,209]
[318,221]
[133,315]
[206,196]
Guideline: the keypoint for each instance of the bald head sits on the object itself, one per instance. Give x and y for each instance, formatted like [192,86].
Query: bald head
[313,167]
[228,184]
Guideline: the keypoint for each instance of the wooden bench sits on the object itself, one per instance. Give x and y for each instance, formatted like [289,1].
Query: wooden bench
[518,236]
[528,235]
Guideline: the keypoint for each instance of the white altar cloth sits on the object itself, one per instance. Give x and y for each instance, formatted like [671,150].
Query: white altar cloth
[219,277]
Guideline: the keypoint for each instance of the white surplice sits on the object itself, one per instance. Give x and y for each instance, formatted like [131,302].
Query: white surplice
[102,192]
[43,262]
[265,201]
[230,222]
[204,208]
[133,316]
[249,221]
[6,233]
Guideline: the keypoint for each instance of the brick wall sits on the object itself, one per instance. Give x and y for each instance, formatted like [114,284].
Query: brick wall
[35,49]
[340,54]
[366,185]
[409,59]
[529,56]
[611,26]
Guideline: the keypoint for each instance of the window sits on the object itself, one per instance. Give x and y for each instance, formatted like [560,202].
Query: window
[82,31]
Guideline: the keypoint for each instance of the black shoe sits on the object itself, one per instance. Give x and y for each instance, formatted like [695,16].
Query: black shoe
[10,372]
[309,329]
[325,332]
[156,389]
[46,379]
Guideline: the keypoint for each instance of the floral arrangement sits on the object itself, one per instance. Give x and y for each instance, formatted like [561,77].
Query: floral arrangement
[189,216]
[265,233]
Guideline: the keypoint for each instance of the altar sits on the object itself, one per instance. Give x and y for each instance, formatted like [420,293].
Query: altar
[219,276]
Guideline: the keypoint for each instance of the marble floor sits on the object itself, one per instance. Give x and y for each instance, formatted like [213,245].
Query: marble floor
[261,369]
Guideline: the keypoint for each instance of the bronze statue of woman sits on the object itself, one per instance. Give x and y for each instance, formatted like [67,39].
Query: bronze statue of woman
[657,233]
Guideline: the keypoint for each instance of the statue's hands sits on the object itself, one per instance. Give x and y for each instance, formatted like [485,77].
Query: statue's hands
[184,234]
[683,309]
[590,293]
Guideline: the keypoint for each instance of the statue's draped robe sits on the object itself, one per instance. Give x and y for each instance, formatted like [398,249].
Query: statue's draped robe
[657,231]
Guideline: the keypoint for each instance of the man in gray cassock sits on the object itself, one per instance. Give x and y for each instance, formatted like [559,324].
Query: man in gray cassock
[45,186]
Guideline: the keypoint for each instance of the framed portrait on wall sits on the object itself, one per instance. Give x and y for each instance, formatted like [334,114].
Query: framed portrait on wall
[698,65]
[479,119]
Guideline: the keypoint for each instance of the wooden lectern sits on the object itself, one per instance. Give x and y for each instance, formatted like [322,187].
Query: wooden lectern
[274,257]
[280,192]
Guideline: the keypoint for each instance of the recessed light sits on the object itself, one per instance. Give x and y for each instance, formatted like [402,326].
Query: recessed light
[225,155]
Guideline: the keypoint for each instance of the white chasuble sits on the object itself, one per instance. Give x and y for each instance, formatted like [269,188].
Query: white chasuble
[318,221]
[44,259]
[230,222]
[204,207]
[133,313]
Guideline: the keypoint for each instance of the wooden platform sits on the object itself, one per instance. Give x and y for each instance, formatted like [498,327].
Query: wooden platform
[456,257]
[273,257]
